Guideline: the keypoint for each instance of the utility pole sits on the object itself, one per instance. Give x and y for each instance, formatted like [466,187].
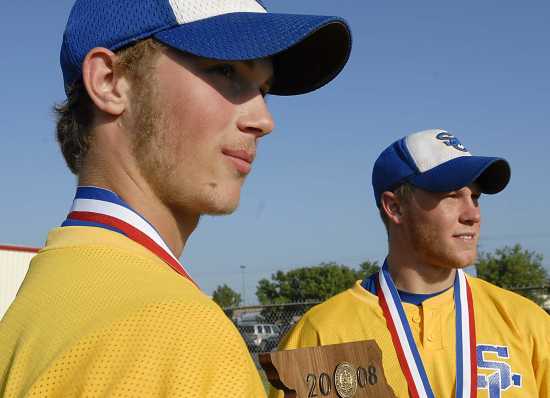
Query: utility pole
[243,290]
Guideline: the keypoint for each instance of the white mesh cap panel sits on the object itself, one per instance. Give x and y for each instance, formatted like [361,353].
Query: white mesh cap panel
[428,151]
[194,10]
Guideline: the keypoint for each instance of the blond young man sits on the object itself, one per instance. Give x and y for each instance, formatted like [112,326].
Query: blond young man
[442,333]
[165,107]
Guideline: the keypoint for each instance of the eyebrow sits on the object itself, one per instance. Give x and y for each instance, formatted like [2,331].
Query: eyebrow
[249,63]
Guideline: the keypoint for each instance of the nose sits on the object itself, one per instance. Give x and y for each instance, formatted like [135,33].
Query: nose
[471,214]
[256,118]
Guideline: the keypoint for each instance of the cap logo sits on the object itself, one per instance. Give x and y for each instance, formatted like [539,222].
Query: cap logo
[451,140]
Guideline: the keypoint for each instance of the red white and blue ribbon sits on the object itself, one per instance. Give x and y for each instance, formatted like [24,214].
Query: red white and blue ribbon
[405,346]
[98,207]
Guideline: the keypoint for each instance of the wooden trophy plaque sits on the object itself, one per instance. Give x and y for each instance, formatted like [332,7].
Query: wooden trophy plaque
[339,371]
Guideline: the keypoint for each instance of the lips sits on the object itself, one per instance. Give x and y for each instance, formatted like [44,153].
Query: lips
[241,159]
[466,236]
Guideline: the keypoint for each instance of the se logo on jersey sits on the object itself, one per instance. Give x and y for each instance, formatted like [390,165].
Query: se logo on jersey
[500,377]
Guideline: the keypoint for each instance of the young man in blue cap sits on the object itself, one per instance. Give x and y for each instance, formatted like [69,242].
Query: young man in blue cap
[442,333]
[165,107]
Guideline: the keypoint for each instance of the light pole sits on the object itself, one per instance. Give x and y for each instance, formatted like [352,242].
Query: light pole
[243,291]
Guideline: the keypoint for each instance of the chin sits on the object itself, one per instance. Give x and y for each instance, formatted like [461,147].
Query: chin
[220,204]
[462,260]
[220,210]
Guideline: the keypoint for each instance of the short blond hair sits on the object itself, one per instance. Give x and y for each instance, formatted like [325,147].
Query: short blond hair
[75,115]
[404,193]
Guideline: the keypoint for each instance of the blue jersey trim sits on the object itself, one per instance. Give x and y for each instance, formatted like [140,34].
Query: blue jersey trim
[369,285]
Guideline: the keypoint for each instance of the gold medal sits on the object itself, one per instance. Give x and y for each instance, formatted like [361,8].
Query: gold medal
[345,380]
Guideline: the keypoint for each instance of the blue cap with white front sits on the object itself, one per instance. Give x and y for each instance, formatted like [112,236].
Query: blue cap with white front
[308,51]
[436,161]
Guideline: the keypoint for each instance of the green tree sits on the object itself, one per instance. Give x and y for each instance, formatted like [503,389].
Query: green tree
[367,268]
[226,297]
[513,267]
[315,283]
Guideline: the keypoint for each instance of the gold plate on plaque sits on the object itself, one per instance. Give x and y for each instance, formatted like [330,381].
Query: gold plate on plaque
[345,380]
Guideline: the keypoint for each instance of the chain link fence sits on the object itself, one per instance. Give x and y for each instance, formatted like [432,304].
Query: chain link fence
[539,294]
[263,326]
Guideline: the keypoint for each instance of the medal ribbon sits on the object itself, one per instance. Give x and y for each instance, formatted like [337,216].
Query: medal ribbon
[405,346]
[102,208]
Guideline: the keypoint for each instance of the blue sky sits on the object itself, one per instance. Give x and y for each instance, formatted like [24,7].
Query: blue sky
[477,69]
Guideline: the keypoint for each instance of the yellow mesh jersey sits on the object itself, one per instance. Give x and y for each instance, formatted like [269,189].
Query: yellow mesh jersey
[513,339]
[98,315]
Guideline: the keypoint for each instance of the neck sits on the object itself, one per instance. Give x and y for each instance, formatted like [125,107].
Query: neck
[412,276]
[122,177]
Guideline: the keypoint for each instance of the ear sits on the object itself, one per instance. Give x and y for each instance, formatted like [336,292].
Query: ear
[392,206]
[106,88]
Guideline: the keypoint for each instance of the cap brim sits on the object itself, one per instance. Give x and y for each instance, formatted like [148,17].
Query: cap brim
[308,51]
[491,174]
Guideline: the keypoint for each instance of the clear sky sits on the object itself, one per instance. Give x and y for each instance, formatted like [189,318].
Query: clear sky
[478,69]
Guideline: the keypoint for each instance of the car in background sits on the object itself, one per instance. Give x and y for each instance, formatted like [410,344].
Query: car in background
[260,337]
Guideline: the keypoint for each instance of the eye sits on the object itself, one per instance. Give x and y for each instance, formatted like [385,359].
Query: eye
[225,70]
[453,195]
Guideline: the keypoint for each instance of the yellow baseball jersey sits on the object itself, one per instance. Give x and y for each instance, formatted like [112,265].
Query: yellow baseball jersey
[513,339]
[98,315]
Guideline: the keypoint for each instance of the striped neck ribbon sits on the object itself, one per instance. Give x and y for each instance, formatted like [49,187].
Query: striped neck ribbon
[405,346]
[99,207]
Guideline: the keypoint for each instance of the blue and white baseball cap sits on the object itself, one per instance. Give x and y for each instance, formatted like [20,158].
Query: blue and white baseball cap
[308,51]
[436,161]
